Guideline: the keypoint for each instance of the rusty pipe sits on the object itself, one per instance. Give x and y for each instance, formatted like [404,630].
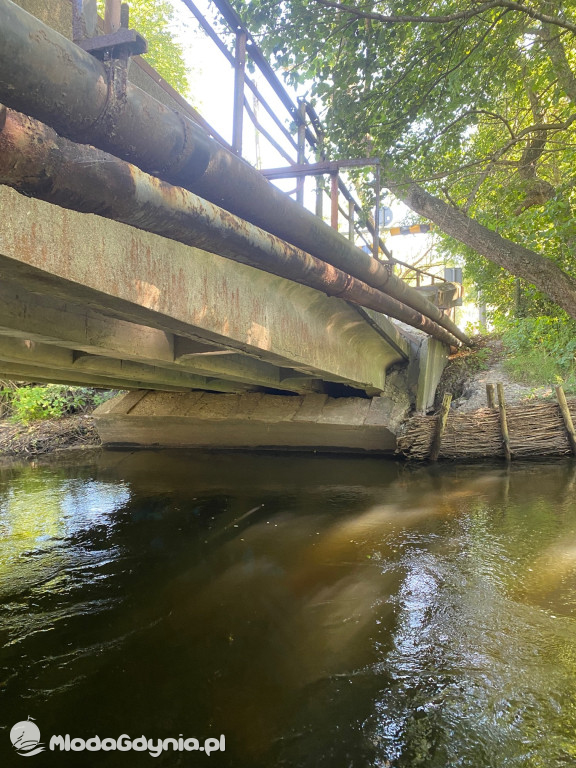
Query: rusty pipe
[36,161]
[45,75]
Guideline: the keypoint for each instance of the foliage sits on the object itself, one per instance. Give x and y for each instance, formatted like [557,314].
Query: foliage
[154,19]
[479,109]
[50,401]
[542,350]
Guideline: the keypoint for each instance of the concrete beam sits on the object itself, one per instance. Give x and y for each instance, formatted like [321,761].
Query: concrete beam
[64,324]
[443,295]
[56,360]
[29,373]
[148,280]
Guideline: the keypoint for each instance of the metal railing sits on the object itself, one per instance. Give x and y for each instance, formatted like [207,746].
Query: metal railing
[293,146]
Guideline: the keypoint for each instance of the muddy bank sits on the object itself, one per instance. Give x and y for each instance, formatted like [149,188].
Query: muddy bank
[42,437]
[466,375]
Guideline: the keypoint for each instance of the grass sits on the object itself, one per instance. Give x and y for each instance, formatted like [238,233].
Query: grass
[536,369]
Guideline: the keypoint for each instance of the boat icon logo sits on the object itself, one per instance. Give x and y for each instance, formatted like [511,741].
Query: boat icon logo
[25,738]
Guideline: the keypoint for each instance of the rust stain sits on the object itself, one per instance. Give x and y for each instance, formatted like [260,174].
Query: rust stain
[148,295]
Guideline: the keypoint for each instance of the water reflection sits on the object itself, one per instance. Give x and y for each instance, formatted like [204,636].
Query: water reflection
[318,611]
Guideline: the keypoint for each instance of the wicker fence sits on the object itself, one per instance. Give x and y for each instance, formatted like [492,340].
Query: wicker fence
[534,430]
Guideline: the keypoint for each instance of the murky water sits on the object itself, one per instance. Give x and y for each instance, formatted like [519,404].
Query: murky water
[328,612]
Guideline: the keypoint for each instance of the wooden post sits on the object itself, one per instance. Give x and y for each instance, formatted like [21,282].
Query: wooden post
[440,427]
[112,16]
[239,75]
[568,423]
[301,149]
[334,200]
[504,422]
[490,396]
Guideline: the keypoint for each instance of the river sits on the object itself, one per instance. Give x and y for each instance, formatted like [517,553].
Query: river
[319,611]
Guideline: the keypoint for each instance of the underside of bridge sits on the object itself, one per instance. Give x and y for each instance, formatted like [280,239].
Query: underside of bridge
[212,352]
[85,300]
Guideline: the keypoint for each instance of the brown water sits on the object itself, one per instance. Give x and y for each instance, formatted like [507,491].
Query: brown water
[333,612]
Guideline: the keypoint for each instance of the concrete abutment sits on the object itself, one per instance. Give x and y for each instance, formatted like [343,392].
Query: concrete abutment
[248,421]
[255,420]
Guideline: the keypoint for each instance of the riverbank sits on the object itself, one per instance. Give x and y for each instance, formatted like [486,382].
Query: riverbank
[466,375]
[41,437]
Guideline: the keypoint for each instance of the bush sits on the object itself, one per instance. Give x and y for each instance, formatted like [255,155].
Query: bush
[542,350]
[50,401]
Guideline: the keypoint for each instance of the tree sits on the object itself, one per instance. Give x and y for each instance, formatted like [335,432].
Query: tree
[472,106]
[153,19]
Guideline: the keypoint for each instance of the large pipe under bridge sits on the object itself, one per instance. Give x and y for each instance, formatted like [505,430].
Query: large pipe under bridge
[50,78]
[36,161]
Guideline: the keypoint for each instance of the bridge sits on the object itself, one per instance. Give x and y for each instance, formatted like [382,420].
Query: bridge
[139,252]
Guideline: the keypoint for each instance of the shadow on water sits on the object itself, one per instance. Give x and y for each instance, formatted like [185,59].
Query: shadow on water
[318,611]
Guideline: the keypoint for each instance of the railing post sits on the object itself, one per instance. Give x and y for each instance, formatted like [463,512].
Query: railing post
[334,200]
[77,27]
[351,210]
[239,74]
[301,149]
[112,16]
[376,244]
[320,197]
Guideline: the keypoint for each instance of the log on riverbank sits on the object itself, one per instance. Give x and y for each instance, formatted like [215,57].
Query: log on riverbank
[535,429]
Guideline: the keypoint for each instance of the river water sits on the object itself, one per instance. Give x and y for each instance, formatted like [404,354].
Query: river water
[316,611]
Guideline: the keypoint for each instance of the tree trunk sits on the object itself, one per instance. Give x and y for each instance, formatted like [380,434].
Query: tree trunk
[522,262]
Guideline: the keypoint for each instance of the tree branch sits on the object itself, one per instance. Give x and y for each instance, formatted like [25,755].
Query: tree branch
[459,16]
[557,55]
[518,260]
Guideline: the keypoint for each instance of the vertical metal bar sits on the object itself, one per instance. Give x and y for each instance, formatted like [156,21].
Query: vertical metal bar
[77,27]
[334,200]
[239,75]
[351,209]
[376,244]
[112,16]
[319,197]
[301,149]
